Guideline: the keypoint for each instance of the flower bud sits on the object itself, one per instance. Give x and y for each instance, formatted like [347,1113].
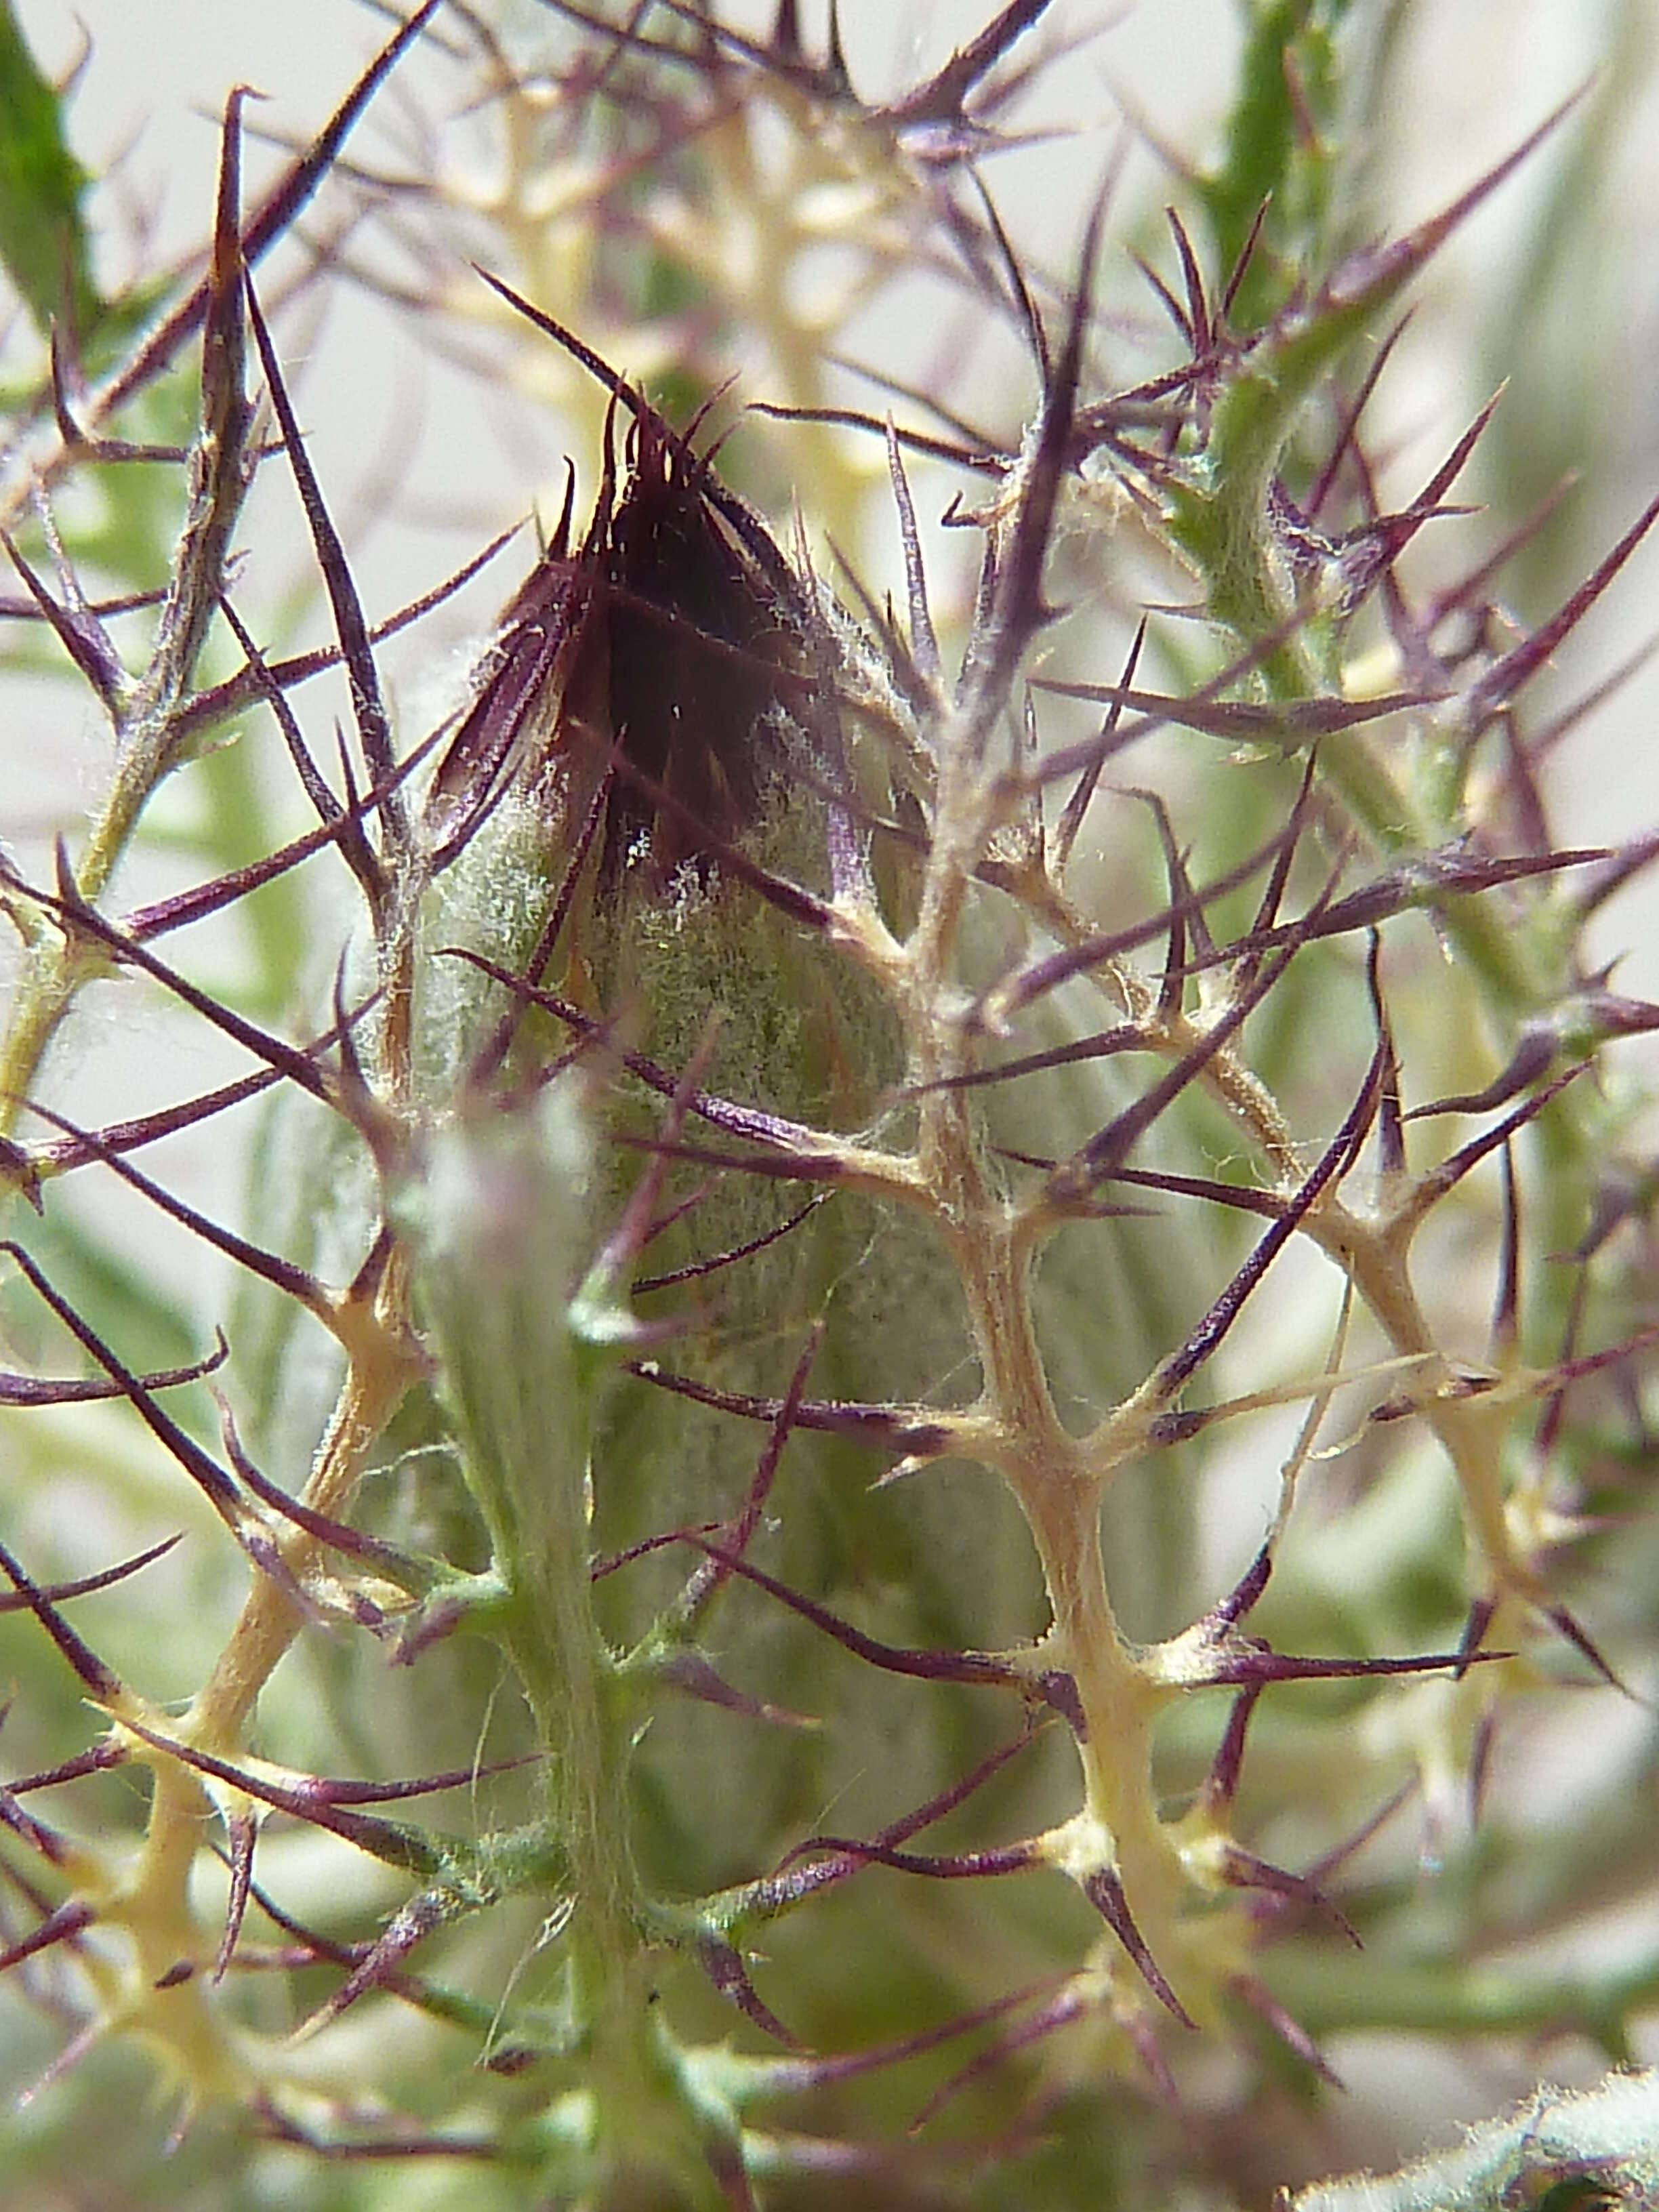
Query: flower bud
[648,752]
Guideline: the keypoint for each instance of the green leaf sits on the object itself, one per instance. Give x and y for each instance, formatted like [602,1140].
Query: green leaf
[1274,150]
[43,240]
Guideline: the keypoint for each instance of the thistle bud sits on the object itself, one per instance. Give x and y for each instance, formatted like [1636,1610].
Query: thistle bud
[652,757]
[644,720]
[660,651]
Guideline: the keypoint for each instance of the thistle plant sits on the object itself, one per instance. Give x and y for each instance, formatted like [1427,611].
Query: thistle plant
[941,1294]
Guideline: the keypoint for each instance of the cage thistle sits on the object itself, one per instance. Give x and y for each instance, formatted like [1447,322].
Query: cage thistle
[786,1188]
